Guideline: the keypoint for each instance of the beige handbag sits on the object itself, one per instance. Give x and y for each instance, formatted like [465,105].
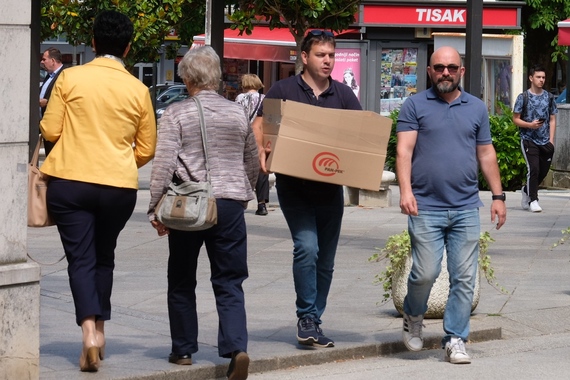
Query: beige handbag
[38,215]
[190,206]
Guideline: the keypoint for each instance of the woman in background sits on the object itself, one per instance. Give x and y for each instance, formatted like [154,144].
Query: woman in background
[251,100]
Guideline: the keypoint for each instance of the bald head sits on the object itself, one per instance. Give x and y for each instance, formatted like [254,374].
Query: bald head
[445,71]
[445,53]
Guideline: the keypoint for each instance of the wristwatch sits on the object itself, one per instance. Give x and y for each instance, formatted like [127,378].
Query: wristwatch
[501,197]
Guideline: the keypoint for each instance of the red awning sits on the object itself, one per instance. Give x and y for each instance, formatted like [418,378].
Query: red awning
[277,45]
[564,33]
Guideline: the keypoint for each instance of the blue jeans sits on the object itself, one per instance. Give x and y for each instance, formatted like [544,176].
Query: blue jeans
[315,229]
[459,232]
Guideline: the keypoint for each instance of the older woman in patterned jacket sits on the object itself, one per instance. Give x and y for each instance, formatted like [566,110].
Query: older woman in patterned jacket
[234,167]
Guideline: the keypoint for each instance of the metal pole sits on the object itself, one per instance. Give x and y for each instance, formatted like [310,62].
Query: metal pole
[473,47]
[208,23]
[568,76]
[217,33]
[34,78]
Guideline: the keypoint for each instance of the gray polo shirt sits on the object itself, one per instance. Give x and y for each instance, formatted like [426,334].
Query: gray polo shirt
[444,162]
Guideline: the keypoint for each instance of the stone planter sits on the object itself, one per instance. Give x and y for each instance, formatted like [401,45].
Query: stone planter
[439,293]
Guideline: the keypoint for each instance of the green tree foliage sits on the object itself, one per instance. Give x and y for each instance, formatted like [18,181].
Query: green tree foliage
[152,21]
[539,22]
[295,15]
[545,14]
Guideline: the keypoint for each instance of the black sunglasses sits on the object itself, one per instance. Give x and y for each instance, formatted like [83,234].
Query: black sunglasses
[451,68]
[318,32]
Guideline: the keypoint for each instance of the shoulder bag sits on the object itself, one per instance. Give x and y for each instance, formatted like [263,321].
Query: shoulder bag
[38,215]
[190,206]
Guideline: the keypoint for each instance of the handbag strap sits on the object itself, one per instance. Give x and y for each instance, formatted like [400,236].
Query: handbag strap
[36,156]
[42,263]
[204,137]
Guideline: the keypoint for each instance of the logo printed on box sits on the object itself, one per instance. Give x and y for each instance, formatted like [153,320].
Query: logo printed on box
[327,164]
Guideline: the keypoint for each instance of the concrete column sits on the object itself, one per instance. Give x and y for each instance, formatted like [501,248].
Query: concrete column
[19,280]
[561,161]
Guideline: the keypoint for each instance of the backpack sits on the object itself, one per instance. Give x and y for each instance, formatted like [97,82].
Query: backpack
[525,102]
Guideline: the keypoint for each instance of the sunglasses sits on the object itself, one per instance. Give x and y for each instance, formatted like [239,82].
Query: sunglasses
[440,68]
[318,32]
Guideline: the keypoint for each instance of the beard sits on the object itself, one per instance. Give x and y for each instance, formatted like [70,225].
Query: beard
[446,85]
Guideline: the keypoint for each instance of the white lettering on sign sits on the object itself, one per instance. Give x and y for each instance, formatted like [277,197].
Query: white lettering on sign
[441,15]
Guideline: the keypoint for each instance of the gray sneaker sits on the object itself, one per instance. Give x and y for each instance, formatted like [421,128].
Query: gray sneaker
[412,332]
[455,352]
[525,199]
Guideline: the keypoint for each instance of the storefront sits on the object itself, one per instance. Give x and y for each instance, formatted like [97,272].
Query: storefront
[404,34]
[385,55]
[272,54]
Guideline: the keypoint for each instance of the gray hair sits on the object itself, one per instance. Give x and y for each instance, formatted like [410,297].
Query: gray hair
[200,67]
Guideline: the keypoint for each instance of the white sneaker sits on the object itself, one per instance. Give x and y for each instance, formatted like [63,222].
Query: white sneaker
[412,332]
[534,207]
[525,199]
[455,352]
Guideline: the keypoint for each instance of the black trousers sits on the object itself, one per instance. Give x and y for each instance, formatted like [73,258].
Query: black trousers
[538,160]
[89,218]
[262,188]
[226,244]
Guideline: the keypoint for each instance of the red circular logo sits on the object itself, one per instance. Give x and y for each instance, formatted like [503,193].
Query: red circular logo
[326,164]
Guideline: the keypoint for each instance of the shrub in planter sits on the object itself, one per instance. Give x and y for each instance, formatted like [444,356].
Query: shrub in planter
[395,276]
[507,143]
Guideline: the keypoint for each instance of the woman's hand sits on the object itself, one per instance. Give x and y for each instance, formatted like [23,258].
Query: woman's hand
[160,228]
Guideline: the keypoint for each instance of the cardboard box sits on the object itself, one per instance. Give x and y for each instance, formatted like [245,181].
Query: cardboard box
[345,147]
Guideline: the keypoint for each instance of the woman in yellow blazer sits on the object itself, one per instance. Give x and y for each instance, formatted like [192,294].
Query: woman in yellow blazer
[102,122]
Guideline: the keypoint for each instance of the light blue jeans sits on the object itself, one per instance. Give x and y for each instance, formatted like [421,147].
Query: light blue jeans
[459,232]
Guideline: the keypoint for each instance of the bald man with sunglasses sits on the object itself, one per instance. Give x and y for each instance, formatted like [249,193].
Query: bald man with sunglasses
[313,210]
[443,137]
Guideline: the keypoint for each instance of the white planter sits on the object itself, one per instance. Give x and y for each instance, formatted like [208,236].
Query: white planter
[439,293]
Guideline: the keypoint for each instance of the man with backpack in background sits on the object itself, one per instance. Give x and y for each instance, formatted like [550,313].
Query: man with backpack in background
[535,114]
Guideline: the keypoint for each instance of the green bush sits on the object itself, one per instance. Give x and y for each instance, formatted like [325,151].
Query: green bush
[390,164]
[506,141]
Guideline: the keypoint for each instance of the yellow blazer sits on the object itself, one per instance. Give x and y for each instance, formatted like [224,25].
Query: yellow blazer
[102,120]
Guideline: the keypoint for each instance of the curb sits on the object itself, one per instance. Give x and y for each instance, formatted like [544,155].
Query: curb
[311,356]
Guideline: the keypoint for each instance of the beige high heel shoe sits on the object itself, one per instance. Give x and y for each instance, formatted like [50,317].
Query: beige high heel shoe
[89,359]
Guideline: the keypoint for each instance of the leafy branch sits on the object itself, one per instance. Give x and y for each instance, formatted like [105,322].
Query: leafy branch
[398,248]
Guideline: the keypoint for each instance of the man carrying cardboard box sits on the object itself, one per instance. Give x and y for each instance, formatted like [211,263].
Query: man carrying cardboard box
[313,210]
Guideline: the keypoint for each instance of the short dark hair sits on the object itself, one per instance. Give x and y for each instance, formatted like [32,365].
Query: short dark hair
[54,54]
[112,32]
[317,36]
[535,68]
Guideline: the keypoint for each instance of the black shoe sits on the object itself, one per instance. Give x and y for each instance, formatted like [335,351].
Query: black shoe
[307,331]
[180,359]
[239,366]
[261,209]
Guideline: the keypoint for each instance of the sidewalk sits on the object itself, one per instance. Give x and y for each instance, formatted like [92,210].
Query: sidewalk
[138,341]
